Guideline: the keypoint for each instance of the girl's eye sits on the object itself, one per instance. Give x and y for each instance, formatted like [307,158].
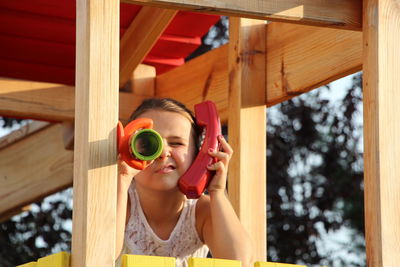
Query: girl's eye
[176,143]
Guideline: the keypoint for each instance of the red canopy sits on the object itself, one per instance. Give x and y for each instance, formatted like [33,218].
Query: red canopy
[37,39]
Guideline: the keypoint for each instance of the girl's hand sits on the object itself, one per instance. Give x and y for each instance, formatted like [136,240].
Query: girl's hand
[125,172]
[218,182]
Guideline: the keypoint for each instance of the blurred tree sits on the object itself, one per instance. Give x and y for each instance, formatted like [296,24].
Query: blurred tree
[315,176]
[42,231]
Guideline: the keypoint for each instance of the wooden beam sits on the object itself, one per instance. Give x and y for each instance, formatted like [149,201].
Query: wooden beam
[202,78]
[53,102]
[33,167]
[247,128]
[344,14]
[96,117]
[301,58]
[22,133]
[36,100]
[144,80]
[140,37]
[381,89]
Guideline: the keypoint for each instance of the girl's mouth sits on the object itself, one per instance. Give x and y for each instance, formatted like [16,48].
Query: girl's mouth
[166,169]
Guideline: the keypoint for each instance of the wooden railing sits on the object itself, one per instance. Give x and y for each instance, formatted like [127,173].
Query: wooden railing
[62,259]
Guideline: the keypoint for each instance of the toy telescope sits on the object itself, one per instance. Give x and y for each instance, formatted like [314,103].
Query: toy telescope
[138,143]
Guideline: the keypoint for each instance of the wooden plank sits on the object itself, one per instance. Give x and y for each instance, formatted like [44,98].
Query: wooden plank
[202,78]
[344,14]
[381,89]
[22,133]
[247,128]
[144,81]
[301,58]
[140,37]
[96,116]
[147,261]
[60,259]
[54,102]
[33,168]
[207,262]
[37,100]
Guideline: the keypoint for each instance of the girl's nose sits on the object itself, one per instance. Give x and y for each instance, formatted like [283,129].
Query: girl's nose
[166,152]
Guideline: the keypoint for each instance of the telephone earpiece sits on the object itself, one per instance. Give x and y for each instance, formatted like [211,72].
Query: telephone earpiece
[138,143]
[195,180]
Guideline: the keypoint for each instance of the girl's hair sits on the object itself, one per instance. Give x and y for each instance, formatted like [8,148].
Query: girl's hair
[171,105]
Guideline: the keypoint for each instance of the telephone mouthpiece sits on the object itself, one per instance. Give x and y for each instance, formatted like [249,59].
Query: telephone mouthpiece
[146,144]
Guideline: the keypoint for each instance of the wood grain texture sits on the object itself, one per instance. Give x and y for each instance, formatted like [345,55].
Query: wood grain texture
[96,116]
[247,128]
[33,168]
[36,100]
[143,80]
[338,14]
[301,58]
[202,78]
[54,102]
[140,37]
[381,90]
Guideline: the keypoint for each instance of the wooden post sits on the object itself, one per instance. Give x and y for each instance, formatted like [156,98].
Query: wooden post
[381,86]
[96,116]
[247,127]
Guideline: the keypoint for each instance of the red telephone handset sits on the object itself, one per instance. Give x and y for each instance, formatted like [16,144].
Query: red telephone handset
[194,181]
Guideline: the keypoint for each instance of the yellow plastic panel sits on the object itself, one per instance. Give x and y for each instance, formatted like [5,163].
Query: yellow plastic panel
[274,264]
[207,262]
[29,264]
[264,264]
[147,261]
[60,259]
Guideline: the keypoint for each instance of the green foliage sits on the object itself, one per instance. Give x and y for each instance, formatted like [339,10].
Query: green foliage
[37,233]
[315,175]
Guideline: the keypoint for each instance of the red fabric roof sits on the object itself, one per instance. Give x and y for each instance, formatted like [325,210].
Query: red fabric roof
[37,39]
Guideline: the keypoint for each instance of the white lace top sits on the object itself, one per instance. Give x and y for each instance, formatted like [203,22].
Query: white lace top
[183,242]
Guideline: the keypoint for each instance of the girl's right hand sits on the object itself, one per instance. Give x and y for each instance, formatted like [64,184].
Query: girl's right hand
[126,172]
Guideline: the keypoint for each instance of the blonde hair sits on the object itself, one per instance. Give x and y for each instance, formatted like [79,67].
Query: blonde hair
[171,105]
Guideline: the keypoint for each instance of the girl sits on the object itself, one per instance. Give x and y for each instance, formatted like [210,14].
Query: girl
[155,218]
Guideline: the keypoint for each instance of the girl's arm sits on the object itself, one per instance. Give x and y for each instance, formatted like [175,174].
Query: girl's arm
[125,176]
[222,230]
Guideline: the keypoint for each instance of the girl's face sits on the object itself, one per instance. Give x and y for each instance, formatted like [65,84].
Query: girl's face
[178,151]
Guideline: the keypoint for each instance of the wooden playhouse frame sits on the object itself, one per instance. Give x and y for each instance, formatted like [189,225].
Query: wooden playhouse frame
[308,44]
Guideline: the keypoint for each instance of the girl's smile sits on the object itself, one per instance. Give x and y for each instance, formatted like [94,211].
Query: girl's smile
[166,169]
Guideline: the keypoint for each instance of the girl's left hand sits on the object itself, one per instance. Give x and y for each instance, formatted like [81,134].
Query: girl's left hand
[218,182]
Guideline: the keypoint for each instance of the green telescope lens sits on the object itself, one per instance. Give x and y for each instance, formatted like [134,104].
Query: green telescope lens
[147,144]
